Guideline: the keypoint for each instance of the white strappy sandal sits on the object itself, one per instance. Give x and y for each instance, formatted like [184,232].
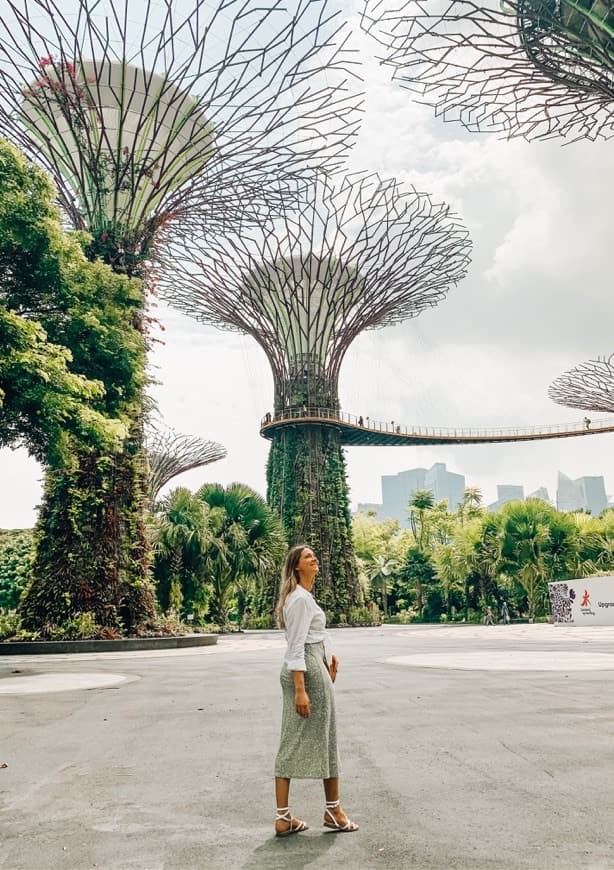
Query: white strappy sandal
[284,814]
[349,826]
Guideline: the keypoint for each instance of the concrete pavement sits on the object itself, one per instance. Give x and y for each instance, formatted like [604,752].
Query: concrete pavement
[462,747]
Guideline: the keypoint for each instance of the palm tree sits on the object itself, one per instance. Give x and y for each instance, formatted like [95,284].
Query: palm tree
[451,567]
[245,550]
[595,542]
[380,570]
[485,539]
[525,545]
[180,537]
[419,506]
[416,576]
[471,505]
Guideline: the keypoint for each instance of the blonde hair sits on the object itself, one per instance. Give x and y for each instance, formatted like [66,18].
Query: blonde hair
[289,580]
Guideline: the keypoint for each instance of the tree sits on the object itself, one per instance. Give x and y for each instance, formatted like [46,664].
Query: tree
[595,541]
[245,550]
[450,563]
[525,546]
[90,546]
[375,545]
[16,553]
[483,537]
[420,504]
[181,537]
[45,393]
[471,505]
[562,560]
[381,571]
[415,578]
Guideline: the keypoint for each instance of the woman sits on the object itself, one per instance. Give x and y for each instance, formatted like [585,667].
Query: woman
[308,745]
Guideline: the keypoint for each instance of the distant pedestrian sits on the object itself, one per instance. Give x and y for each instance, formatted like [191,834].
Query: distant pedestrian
[489,617]
[505,613]
[587,423]
[361,422]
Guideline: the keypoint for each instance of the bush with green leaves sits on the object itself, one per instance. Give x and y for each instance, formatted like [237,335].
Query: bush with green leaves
[16,555]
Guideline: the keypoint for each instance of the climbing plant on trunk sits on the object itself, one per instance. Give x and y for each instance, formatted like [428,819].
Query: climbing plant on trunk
[307,485]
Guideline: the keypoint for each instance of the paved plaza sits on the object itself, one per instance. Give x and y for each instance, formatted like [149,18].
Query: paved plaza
[461,747]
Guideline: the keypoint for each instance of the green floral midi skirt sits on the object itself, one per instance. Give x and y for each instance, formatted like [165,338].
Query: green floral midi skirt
[308,747]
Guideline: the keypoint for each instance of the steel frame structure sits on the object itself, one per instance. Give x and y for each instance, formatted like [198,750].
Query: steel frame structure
[197,112]
[359,254]
[589,386]
[529,68]
[170,453]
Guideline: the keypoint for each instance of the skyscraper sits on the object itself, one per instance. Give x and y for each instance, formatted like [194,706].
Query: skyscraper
[541,493]
[585,493]
[506,492]
[398,489]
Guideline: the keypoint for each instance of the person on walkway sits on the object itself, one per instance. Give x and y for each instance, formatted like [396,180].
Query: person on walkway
[505,613]
[587,423]
[308,743]
[489,617]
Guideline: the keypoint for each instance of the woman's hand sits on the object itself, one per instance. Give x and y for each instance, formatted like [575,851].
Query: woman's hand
[334,667]
[301,701]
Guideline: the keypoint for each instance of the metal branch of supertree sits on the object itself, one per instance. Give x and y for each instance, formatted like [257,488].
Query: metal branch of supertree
[357,255]
[170,453]
[531,68]
[589,386]
[191,110]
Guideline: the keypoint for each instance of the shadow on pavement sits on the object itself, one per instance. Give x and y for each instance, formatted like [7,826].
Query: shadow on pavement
[297,851]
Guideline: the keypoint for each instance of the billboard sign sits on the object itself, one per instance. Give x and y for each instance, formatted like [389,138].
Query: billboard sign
[588,601]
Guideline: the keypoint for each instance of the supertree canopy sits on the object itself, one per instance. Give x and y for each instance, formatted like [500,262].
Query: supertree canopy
[359,255]
[530,68]
[191,111]
[169,453]
[589,386]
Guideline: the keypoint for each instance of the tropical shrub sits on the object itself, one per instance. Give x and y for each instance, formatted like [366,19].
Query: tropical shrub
[16,555]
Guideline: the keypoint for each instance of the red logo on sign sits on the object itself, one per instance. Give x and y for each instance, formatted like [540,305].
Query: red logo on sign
[586,599]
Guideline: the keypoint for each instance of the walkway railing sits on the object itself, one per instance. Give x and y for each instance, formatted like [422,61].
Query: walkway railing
[394,428]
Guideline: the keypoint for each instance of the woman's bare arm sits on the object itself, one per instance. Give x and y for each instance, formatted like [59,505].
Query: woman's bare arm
[301,698]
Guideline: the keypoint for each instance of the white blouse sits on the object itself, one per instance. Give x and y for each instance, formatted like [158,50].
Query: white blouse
[305,623]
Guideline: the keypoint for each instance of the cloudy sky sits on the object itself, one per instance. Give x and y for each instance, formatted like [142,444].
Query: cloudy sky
[536,302]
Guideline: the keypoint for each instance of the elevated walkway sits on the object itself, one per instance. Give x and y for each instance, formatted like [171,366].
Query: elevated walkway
[362,431]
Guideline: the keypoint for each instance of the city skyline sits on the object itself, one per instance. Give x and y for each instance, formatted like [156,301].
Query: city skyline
[587,492]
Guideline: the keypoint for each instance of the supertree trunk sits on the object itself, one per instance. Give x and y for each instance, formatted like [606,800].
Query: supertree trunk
[92,554]
[307,484]
[306,480]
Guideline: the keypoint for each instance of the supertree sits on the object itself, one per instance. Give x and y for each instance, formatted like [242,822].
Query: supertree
[183,114]
[173,111]
[170,453]
[358,255]
[530,68]
[589,386]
